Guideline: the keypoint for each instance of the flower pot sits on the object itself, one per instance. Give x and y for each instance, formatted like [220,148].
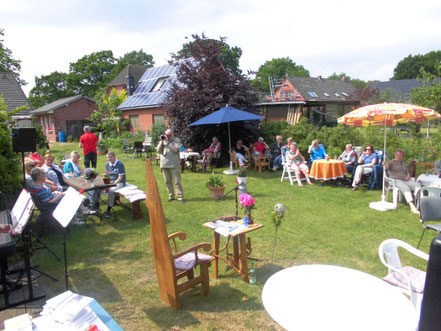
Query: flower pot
[241,180]
[106,180]
[216,192]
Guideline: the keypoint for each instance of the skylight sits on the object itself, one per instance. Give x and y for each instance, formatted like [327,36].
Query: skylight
[159,83]
[326,94]
[337,95]
[345,94]
[313,94]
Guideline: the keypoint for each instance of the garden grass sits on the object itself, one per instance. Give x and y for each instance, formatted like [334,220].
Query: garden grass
[323,224]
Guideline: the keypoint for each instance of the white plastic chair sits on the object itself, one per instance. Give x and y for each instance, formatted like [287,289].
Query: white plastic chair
[430,209]
[390,186]
[409,279]
[288,172]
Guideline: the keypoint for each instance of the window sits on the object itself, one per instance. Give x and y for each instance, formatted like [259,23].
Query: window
[337,95]
[282,95]
[345,94]
[158,84]
[313,94]
[158,118]
[134,121]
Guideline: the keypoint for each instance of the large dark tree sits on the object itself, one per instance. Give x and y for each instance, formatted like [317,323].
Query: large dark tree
[409,67]
[203,86]
[277,68]
[7,62]
[49,88]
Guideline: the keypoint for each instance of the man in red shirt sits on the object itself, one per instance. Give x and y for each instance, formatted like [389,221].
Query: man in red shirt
[260,147]
[88,141]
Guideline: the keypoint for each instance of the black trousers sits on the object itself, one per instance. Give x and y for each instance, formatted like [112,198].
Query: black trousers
[90,158]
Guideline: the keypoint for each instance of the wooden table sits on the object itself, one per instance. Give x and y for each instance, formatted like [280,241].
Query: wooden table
[240,247]
[327,170]
[261,162]
[326,297]
[80,183]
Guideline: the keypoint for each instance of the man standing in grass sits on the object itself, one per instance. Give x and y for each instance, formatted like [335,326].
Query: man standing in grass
[88,141]
[168,148]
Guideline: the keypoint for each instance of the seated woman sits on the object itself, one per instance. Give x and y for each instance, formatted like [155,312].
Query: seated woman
[29,165]
[260,147]
[317,152]
[54,172]
[72,167]
[297,163]
[42,193]
[399,171]
[349,157]
[240,152]
[365,163]
[212,150]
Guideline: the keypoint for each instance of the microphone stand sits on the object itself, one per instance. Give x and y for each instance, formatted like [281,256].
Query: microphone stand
[236,188]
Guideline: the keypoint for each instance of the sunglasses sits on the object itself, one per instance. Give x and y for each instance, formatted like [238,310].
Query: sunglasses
[368,149]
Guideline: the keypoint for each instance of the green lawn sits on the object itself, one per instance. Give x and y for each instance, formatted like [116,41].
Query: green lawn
[323,224]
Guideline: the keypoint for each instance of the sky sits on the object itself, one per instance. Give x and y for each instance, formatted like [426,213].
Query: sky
[365,40]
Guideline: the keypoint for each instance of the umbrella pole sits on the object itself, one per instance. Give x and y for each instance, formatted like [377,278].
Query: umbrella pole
[383,195]
[229,143]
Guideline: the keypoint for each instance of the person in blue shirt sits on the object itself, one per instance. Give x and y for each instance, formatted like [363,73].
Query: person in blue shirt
[117,173]
[366,163]
[317,152]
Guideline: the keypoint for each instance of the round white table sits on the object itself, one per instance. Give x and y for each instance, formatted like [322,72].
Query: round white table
[429,180]
[325,297]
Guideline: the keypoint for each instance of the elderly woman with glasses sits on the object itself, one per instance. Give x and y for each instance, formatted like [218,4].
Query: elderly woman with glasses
[365,164]
[54,172]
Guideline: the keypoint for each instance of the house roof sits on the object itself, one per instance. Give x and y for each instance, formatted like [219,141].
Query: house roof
[321,89]
[12,93]
[131,69]
[400,88]
[50,107]
[146,95]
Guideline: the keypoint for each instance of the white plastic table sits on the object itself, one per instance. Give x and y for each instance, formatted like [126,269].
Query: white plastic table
[429,180]
[325,297]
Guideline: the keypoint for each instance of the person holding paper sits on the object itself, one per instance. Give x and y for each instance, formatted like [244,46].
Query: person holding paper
[117,173]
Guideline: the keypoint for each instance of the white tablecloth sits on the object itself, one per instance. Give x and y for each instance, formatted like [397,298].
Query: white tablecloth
[185,155]
[324,297]
[429,180]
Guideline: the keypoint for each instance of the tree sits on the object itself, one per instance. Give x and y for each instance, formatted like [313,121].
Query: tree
[89,73]
[409,67]
[7,62]
[108,117]
[49,88]
[10,162]
[277,68]
[229,56]
[365,95]
[203,86]
[353,81]
[430,94]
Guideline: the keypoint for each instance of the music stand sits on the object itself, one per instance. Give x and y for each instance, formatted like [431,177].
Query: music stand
[64,213]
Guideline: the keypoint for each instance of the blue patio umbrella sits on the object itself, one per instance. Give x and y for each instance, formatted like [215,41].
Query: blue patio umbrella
[226,115]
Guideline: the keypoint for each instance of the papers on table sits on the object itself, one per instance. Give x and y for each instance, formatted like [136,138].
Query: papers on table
[226,228]
[68,206]
[68,311]
[19,323]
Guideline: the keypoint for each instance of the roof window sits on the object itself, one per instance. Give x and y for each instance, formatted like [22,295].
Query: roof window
[159,83]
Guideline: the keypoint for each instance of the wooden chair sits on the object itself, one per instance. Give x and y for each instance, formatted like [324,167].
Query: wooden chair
[171,267]
[418,168]
[233,158]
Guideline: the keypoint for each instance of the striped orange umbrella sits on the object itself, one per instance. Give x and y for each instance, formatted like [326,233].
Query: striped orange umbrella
[388,114]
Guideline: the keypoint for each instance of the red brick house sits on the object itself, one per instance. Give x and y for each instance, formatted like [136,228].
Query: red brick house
[321,100]
[67,115]
[143,107]
[127,80]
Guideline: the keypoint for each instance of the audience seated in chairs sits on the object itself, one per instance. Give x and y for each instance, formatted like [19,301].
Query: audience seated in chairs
[276,153]
[365,164]
[297,161]
[72,167]
[260,147]
[398,171]
[240,152]
[54,172]
[317,152]
[349,157]
[212,152]
[28,165]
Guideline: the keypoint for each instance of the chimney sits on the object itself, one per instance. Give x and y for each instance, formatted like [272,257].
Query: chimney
[344,78]
[130,85]
[319,77]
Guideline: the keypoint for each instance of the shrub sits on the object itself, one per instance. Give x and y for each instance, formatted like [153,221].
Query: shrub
[156,130]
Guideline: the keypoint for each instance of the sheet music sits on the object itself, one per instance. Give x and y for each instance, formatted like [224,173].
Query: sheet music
[68,206]
[21,211]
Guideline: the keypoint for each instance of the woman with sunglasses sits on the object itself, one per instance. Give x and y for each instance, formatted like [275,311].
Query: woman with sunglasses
[365,163]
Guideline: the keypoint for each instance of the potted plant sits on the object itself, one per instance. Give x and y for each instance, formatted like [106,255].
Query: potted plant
[106,177]
[216,186]
[242,175]
[102,147]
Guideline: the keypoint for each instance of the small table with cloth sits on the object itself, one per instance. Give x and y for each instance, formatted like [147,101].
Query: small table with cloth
[327,170]
[326,297]
[240,246]
[189,156]
[429,180]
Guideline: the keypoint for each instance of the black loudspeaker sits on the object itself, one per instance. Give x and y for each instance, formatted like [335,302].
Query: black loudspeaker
[24,140]
[430,318]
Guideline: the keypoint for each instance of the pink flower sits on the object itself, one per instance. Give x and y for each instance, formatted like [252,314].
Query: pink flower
[246,200]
